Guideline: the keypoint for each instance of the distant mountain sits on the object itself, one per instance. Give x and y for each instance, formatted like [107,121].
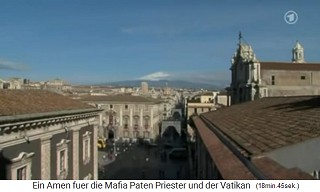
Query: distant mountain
[163,83]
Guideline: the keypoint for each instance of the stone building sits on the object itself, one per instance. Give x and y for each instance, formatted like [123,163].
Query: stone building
[202,103]
[253,79]
[206,101]
[44,135]
[12,83]
[128,117]
[269,138]
[57,86]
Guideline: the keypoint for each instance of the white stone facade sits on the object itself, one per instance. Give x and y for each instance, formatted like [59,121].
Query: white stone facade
[130,120]
[253,79]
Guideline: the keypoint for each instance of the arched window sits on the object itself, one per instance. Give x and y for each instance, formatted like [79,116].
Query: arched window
[136,122]
[146,122]
[126,122]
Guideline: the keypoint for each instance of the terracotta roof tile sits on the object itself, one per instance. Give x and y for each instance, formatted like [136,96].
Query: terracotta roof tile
[230,167]
[269,123]
[290,66]
[18,102]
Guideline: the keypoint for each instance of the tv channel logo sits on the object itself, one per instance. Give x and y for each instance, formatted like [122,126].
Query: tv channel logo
[291,17]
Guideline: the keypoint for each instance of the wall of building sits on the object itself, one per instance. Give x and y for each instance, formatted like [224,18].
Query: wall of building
[140,111]
[204,166]
[41,140]
[304,155]
[223,100]
[86,169]
[13,151]
[207,98]
[290,78]
[199,108]
[54,159]
[273,91]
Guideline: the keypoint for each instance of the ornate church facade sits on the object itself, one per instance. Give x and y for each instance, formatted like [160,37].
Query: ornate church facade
[253,79]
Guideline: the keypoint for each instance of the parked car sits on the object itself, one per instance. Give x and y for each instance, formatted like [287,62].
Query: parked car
[152,144]
[102,143]
[178,153]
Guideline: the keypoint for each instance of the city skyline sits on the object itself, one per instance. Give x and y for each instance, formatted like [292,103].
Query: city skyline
[104,41]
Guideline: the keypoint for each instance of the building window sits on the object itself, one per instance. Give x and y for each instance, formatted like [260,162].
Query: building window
[136,122]
[303,77]
[126,107]
[273,79]
[62,159]
[110,119]
[111,106]
[265,93]
[135,134]
[126,122]
[20,168]
[86,147]
[146,122]
[22,173]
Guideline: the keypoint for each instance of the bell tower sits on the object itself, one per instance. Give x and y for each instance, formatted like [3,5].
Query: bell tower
[298,53]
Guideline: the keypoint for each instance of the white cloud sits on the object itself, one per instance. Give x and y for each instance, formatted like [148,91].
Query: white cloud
[156,76]
[10,65]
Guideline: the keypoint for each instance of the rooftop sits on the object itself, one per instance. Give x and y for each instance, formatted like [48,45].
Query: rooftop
[290,66]
[269,123]
[20,102]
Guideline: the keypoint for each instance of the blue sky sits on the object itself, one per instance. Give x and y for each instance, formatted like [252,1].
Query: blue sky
[96,41]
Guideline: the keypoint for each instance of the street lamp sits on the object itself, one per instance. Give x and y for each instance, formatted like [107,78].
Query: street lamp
[114,149]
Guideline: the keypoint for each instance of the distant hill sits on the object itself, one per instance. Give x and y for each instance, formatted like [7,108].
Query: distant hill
[162,83]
